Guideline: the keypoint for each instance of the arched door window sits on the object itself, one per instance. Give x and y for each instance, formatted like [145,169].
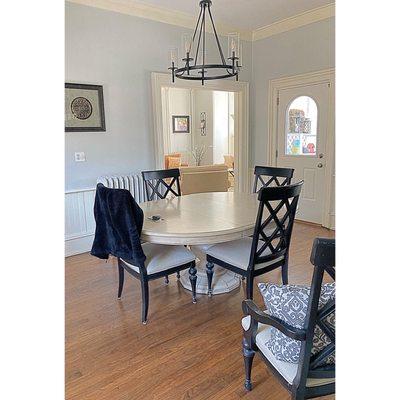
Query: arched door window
[301,127]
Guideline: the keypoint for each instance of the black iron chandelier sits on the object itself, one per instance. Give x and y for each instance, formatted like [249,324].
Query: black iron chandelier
[196,68]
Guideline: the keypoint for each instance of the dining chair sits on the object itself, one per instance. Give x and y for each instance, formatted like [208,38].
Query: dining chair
[268,248]
[313,375]
[268,176]
[119,221]
[160,183]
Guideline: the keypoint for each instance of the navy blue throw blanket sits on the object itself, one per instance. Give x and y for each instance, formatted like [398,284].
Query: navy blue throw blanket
[119,222]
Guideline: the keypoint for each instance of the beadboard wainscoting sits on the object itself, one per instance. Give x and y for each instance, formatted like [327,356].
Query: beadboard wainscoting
[79,221]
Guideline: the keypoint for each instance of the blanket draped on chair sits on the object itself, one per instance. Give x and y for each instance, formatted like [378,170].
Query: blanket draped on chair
[119,222]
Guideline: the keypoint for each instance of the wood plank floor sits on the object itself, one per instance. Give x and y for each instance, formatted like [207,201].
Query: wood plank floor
[186,351]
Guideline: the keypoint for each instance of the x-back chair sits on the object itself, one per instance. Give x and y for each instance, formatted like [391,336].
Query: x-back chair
[159,184]
[312,376]
[268,248]
[161,260]
[267,176]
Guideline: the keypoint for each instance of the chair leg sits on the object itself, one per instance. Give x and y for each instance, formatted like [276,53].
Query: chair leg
[285,273]
[193,280]
[145,300]
[297,396]
[249,287]
[120,279]
[166,279]
[248,356]
[210,273]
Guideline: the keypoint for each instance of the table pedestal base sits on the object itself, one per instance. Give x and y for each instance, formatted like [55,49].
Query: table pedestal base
[224,281]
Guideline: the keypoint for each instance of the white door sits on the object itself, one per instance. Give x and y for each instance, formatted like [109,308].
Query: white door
[302,134]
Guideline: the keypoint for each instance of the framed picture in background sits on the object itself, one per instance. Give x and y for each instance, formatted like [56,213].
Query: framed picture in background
[84,108]
[180,124]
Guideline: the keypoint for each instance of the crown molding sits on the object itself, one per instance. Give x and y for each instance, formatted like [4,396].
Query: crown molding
[297,21]
[159,14]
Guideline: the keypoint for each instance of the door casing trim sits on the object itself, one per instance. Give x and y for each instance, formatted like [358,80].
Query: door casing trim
[289,82]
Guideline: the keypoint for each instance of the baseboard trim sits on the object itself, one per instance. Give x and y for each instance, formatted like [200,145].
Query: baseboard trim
[78,245]
[313,224]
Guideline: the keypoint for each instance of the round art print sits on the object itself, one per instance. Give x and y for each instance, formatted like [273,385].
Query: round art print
[81,108]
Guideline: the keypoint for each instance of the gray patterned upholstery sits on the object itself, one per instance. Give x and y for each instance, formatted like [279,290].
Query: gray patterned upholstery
[286,369]
[289,303]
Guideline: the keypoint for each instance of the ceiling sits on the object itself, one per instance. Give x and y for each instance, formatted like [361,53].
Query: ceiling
[243,14]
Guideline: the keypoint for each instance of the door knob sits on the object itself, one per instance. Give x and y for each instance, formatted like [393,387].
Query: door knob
[319,165]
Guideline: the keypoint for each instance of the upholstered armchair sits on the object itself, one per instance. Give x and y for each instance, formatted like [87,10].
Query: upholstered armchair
[312,374]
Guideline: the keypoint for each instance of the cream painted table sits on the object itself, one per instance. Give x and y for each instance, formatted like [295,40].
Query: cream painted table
[200,220]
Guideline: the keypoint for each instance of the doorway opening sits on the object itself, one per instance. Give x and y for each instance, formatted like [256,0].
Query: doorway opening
[199,130]
[208,126]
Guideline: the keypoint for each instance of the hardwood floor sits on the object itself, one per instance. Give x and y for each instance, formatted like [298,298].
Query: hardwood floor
[186,351]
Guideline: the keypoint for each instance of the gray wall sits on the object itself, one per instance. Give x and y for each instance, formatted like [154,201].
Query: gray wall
[119,52]
[306,49]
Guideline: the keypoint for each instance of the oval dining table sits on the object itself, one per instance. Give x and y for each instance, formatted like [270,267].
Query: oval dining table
[199,221]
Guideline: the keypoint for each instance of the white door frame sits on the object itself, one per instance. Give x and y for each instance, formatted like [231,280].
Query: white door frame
[289,82]
[160,80]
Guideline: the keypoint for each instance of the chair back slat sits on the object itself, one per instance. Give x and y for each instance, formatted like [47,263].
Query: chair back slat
[271,176]
[159,184]
[272,234]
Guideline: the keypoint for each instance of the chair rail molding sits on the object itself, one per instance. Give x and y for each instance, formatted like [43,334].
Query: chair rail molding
[79,221]
[241,90]
[274,85]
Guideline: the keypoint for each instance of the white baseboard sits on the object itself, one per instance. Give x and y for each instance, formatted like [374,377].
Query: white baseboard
[78,245]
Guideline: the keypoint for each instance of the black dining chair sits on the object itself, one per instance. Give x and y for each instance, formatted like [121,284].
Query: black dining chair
[268,248]
[271,176]
[119,221]
[313,375]
[160,183]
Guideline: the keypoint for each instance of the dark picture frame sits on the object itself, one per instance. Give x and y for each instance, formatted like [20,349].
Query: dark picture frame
[84,111]
[180,124]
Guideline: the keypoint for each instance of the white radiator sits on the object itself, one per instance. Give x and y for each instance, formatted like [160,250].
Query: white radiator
[133,183]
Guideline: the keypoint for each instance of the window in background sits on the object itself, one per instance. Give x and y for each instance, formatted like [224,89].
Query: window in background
[301,127]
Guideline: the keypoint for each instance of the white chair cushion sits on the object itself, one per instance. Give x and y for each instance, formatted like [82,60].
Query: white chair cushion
[160,257]
[286,369]
[237,253]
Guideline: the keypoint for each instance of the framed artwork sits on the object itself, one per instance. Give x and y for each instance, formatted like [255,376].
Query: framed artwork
[180,124]
[84,108]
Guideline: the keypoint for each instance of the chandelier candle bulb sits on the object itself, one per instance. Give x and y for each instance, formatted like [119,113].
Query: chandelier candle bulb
[173,54]
[186,41]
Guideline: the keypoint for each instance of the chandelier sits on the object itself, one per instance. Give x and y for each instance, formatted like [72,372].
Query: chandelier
[195,65]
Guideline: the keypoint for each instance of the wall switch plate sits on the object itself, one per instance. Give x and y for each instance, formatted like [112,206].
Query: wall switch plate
[80,156]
